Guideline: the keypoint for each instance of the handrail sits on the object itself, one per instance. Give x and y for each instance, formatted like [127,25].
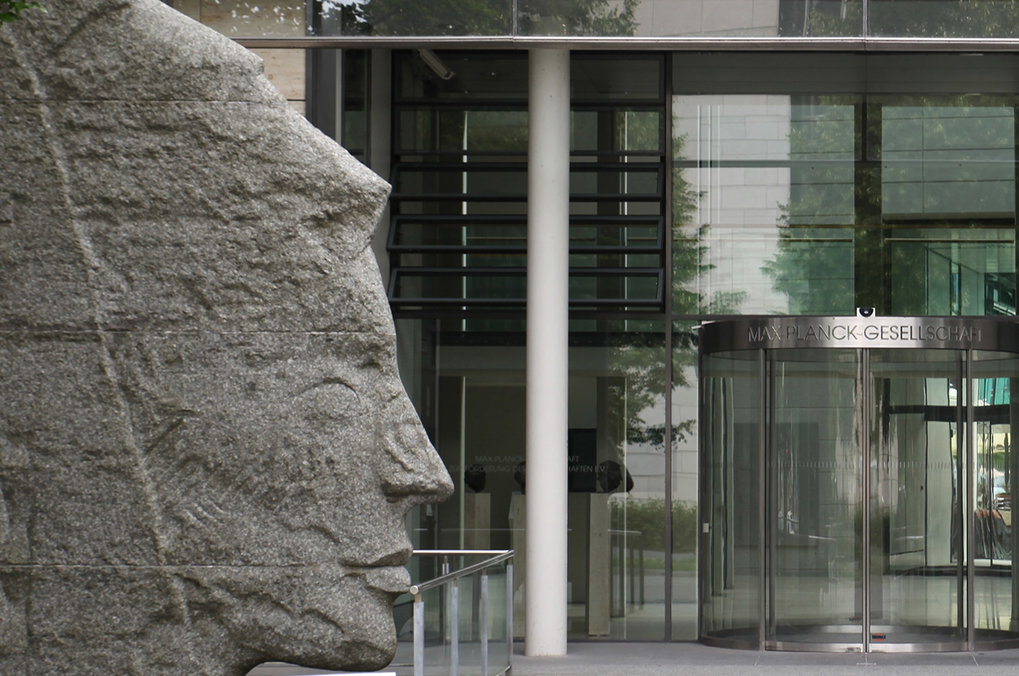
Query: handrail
[455,552]
[452,581]
[739,43]
[502,555]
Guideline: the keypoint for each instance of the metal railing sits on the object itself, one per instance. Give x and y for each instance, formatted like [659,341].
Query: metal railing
[448,614]
[628,575]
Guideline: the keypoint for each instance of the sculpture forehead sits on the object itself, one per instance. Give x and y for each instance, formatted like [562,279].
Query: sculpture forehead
[151,165]
[126,210]
[110,49]
[286,364]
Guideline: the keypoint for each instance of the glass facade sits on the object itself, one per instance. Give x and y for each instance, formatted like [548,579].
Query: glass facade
[806,187]
[457,252]
[458,239]
[607,18]
[472,398]
[704,185]
[855,491]
[796,188]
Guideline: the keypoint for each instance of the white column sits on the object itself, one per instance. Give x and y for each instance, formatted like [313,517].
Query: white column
[548,210]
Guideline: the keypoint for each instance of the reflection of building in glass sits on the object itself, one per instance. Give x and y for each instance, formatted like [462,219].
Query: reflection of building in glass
[727,158]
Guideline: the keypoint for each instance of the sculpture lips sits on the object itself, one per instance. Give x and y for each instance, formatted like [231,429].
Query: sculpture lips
[394,579]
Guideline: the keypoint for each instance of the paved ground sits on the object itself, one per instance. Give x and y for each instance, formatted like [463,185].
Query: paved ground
[655,659]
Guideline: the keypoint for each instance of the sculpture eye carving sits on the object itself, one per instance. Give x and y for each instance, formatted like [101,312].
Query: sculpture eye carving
[331,399]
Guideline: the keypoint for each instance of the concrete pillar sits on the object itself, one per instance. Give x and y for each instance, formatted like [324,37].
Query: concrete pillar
[548,210]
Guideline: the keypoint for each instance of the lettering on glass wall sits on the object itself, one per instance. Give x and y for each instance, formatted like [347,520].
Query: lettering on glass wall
[847,332]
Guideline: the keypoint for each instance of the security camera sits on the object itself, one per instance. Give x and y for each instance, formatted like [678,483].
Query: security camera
[436,64]
[865,311]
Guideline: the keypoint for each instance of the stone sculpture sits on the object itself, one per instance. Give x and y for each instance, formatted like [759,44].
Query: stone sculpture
[475,477]
[206,454]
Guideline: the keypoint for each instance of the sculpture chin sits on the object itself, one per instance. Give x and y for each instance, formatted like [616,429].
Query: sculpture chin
[357,656]
[349,647]
[321,617]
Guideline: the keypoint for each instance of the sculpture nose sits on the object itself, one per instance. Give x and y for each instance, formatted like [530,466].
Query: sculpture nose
[410,469]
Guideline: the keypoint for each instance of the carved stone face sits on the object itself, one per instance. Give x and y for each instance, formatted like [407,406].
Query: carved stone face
[206,453]
[282,468]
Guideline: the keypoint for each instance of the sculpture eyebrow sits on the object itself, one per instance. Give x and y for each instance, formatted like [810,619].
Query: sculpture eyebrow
[330,381]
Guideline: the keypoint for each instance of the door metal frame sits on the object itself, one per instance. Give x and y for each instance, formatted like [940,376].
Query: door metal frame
[863,375]
[963,334]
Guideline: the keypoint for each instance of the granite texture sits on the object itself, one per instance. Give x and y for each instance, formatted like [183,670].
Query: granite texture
[206,453]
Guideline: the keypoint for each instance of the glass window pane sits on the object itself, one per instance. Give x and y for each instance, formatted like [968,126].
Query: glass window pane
[995,469]
[730,533]
[604,18]
[472,401]
[691,18]
[397,17]
[947,162]
[451,75]
[944,18]
[685,459]
[764,199]
[605,77]
[792,202]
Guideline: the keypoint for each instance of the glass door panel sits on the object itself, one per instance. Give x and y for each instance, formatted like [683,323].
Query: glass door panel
[814,510]
[730,518]
[996,597]
[859,497]
[917,566]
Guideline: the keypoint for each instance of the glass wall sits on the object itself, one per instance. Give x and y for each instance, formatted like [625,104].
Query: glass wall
[995,462]
[608,18]
[731,594]
[944,18]
[885,518]
[457,249]
[816,186]
[470,392]
[797,187]
[458,236]
[765,183]
[685,434]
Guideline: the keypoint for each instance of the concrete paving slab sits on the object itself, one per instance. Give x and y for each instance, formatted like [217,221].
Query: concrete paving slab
[649,659]
[694,659]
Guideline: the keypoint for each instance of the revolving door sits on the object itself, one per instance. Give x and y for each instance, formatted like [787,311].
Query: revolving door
[856,483]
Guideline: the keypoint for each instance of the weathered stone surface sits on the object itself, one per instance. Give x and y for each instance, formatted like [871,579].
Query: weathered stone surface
[206,454]
[109,50]
[248,221]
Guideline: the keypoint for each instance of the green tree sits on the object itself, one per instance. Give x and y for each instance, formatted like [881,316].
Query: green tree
[10,10]
[827,193]
[411,17]
[947,19]
[839,245]
[578,17]
[896,18]
[645,376]
[480,17]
